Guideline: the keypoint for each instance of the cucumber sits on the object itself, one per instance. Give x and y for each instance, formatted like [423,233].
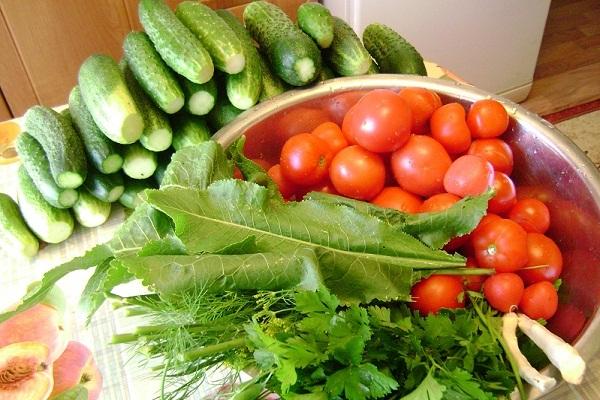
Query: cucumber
[133,187]
[315,20]
[14,233]
[347,55]
[164,159]
[199,98]
[222,44]
[90,211]
[35,162]
[157,80]
[61,144]
[107,188]
[177,46]
[189,131]
[157,134]
[392,52]
[294,56]
[243,89]
[223,113]
[272,85]
[326,73]
[101,152]
[108,100]
[139,162]
[50,224]
[373,68]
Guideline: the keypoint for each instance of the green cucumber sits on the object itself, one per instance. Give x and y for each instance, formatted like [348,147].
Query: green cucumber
[107,188]
[316,21]
[139,162]
[223,45]
[133,187]
[14,233]
[347,55]
[223,113]
[107,98]
[294,56]
[189,131]
[199,97]
[392,52]
[177,46]
[101,152]
[326,73]
[90,211]
[272,85]
[35,162]
[50,224]
[157,134]
[373,68]
[243,89]
[157,80]
[164,159]
[61,143]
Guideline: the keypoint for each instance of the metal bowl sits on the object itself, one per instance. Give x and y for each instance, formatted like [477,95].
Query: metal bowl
[548,166]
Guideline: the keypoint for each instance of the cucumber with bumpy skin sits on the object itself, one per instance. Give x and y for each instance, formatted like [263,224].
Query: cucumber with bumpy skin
[272,85]
[14,233]
[133,187]
[107,188]
[326,73]
[90,211]
[316,21]
[200,98]
[189,131]
[347,55]
[139,162]
[223,113]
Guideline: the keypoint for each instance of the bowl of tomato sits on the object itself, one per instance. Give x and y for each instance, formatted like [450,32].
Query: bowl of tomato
[420,144]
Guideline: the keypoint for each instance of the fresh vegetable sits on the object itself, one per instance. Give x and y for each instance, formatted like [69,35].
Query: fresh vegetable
[347,55]
[15,236]
[199,98]
[437,292]
[130,197]
[439,202]
[305,159]
[448,126]
[539,300]
[331,134]
[487,118]
[89,210]
[222,113]
[189,131]
[398,199]
[506,194]
[61,144]
[164,159]
[422,103]
[501,245]
[316,21]
[469,175]
[532,214]
[326,73]
[503,291]
[545,258]
[139,163]
[496,151]
[357,173]
[107,188]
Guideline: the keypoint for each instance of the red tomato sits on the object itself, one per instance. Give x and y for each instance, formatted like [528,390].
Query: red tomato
[237,173]
[437,292]
[542,251]
[380,121]
[469,176]
[399,199]
[305,159]
[449,127]
[531,214]
[286,188]
[439,202]
[420,165]
[496,151]
[331,134]
[539,300]
[422,103]
[506,194]
[339,105]
[500,244]
[487,119]
[503,291]
[357,173]
[473,282]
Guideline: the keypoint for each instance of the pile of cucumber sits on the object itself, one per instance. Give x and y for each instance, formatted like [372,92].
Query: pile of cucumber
[187,75]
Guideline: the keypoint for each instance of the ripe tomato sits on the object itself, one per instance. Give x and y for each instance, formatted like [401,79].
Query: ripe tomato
[539,300]
[469,176]
[437,292]
[286,188]
[473,282]
[506,194]
[357,173]
[449,127]
[380,121]
[420,165]
[496,151]
[500,244]
[331,134]
[305,159]
[439,202]
[542,250]
[487,119]
[339,105]
[399,199]
[531,214]
[422,103]
[503,291]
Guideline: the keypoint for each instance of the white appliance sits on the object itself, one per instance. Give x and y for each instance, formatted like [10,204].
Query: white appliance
[489,43]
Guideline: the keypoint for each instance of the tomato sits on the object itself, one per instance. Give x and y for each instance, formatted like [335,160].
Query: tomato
[305,159]
[420,165]
[539,300]
[503,291]
[237,174]
[449,127]
[422,103]
[331,134]
[542,250]
[496,151]
[339,105]
[469,175]
[380,121]
[473,282]
[487,119]
[506,194]
[357,173]
[531,214]
[439,202]
[500,244]
[437,292]
[399,199]
[286,188]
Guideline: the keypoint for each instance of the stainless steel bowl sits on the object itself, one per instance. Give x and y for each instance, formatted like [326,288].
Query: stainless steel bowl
[547,165]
